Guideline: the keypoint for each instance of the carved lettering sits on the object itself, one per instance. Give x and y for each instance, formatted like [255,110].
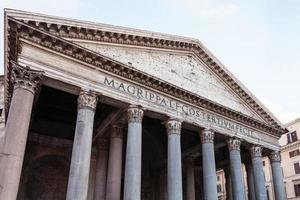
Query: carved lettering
[190,111]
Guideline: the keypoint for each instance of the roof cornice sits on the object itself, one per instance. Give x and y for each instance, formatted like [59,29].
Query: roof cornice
[43,34]
[157,40]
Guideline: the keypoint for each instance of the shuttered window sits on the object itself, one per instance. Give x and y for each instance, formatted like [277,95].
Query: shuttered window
[297,168]
[294,153]
[292,137]
[297,190]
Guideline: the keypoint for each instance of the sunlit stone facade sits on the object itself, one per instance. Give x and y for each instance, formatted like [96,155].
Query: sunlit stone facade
[95,111]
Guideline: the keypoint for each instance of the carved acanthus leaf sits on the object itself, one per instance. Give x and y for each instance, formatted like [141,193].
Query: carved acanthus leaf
[256,151]
[173,126]
[26,78]
[207,136]
[87,99]
[135,114]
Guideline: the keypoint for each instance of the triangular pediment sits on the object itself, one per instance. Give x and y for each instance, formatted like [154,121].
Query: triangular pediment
[180,61]
[182,69]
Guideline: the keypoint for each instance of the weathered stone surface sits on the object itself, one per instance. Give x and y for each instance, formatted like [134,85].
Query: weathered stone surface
[180,69]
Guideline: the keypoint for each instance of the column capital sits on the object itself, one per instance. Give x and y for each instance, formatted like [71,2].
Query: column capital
[26,78]
[256,151]
[87,99]
[207,136]
[274,156]
[173,126]
[234,144]
[135,114]
[116,131]
[102,144]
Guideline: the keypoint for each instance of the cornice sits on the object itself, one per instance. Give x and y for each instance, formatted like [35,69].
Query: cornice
[53,40]
[194,46]
[290,146]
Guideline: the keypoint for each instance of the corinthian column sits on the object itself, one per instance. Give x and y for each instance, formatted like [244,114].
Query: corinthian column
[174,160]
[209,165]
[190,180]
[82,145]
[101,170]
[12,151]
[133,164]
[236,169]
[258,173]
[277,175]
[114,176]
[250,181]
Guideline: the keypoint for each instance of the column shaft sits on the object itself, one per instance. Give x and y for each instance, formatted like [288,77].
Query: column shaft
[190,180]
[15,138]
[258,173]
[277,176]
[133,164]
[82,145]
[209,165]
[114,176]
[238,190]
[101,171]
[250,182]
[174,160]
[228,183]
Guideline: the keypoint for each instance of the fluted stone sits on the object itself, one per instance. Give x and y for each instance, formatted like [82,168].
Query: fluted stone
[277,175]
[258,173]
[16,132]
[133,163]
[101,170]
[238,191]
[209,165]
[174,160]
[82,145]
[114,176]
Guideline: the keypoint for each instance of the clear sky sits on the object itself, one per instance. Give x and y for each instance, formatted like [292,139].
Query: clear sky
[257,40]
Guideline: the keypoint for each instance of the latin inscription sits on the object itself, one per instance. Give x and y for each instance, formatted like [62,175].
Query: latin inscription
[168,103]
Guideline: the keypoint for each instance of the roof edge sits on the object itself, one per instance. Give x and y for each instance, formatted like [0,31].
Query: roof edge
[18,14]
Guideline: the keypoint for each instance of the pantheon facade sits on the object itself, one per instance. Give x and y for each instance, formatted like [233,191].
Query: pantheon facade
[95,111]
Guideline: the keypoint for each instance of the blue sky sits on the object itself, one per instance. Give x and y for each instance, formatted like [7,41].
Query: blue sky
[257,40]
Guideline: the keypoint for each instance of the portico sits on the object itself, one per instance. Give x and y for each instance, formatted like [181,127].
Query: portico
[137,128]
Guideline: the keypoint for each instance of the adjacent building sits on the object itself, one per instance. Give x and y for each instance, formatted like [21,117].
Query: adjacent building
[290,154]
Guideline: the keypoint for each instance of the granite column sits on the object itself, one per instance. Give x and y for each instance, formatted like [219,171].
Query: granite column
[277,176]
[209,165]
[114,176]
[250,181]
[82,145]
[12,152]
[228,183]
[190,180]
[174,160]
[101,170]
[258,173]
[238,190]
[133,164]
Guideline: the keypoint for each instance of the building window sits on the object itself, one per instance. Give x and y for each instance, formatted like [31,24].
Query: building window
[294,153]
[219,188]
[264,163]
[297,190]
[218,178]
[292,137]
[297,168]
